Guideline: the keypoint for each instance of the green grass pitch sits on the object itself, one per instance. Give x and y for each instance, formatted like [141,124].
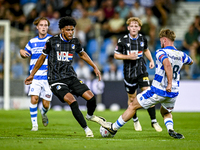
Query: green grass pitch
[64,133]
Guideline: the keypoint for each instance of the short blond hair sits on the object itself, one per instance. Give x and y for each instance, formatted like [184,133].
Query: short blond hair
[168,34]
[134,19]
[36,22]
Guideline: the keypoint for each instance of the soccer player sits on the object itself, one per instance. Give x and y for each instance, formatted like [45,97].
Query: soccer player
[130,48]
[165,86]
[61,75]
[39,86]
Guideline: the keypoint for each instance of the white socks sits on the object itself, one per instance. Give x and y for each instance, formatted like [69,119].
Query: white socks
[119,123]
[33,112]
[44,110]
[88,116]
[169,123]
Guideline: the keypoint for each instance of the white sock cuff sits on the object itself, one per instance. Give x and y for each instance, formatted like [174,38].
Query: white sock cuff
[33,105]
[168,120]
[120,121]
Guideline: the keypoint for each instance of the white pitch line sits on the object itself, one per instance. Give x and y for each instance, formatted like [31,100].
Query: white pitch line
[110,139]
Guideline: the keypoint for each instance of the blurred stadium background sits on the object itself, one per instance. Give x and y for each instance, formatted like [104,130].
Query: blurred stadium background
[100,23]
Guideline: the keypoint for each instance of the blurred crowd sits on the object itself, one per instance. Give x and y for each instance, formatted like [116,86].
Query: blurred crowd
[99,25]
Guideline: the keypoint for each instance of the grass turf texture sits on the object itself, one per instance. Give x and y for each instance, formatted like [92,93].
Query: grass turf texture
[63,132]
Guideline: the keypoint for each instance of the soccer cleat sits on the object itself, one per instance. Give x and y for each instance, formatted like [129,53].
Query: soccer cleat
[175,135]
[108,126]
[89,133]
[156,126]
[137,126]
[45,120]
[97,119]
[34,128]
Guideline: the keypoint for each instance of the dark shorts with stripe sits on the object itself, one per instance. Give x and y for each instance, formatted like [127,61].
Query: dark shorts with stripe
[69,85]
[131,85]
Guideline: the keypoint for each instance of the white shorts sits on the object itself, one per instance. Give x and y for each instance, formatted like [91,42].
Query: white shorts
[41,88]
[147,98]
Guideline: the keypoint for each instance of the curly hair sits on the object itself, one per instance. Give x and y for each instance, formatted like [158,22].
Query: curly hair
[168,34]
[66,21]
[134,19]
[36,22]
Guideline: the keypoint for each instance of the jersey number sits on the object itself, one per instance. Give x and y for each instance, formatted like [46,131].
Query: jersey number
[175,71]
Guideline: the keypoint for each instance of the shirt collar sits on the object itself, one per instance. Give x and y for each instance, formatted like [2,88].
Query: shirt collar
[170,47]
[132,38]
[63,38]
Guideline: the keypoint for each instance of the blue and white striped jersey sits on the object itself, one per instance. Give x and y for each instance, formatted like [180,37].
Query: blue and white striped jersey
[34,47]
[177,59]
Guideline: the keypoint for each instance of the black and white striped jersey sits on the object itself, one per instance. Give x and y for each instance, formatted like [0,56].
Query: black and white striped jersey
[127,45]
[60,56]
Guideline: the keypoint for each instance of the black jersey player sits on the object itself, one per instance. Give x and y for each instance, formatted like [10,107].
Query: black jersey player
[130,49]
[61,76]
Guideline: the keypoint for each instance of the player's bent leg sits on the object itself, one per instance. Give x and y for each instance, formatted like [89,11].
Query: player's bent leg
[167,116]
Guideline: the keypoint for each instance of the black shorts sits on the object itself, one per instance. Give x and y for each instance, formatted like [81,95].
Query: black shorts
[131,85]
[70,85]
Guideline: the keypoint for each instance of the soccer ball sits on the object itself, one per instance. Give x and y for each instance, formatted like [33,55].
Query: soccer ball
[104,132]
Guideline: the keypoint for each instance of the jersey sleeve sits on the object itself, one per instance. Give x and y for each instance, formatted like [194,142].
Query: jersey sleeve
[119,47]
[145,43]
[47,48]
[28,48]
[79,48]
[161,55]
[186,59]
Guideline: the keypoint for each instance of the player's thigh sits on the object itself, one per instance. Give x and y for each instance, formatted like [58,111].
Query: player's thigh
[168,104]
[35,88]
[60,90]
[147,98]
[143,81]
[78,87]
[46,93]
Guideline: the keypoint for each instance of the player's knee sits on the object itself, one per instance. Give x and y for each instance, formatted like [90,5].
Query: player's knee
[34,99]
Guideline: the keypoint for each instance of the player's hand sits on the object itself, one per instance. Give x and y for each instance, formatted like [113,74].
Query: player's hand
[133,56]
[151,65]
[28,80]
[24,54]
[169,87]
[98,73]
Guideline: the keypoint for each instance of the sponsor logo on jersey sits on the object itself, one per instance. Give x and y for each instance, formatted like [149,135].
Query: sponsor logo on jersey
[58,45]
[73,46]
[58,87]
[32,89]
[142,44]
[48,96]
[128,44]
[64,56]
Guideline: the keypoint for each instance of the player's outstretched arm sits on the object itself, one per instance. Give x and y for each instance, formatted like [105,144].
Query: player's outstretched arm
[37,66]
[147,53]
[24,53]
[83,55]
